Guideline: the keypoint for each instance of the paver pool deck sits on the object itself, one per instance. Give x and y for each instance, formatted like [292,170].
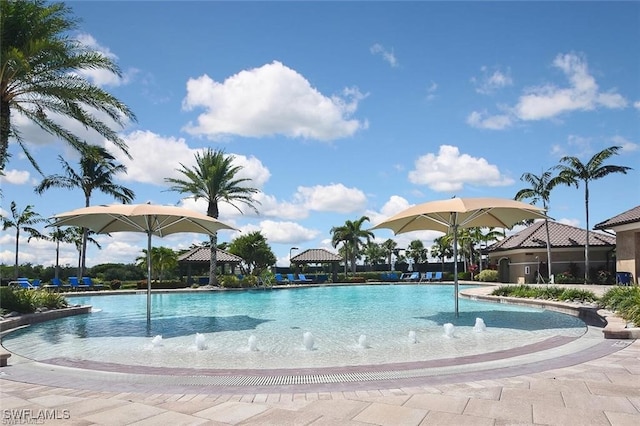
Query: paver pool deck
[584,381]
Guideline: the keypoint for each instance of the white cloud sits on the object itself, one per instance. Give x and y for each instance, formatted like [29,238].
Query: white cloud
[572,222]
[149,152]
[15,177]
[627,145]
[102,77]
[388,56]
[636,104]
[548,101]
[482,120]
[282,232]
[431,91]
[335,198]
[449,171]
[270,100]
[489,82]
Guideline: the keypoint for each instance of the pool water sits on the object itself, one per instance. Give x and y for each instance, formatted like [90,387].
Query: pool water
[349,325]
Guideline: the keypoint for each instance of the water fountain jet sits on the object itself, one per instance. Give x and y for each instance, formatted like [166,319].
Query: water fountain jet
[307,339]
[200,343]
[449,329]
[412,337]
[157,340]
[253,343]
[480,326]
[363,342]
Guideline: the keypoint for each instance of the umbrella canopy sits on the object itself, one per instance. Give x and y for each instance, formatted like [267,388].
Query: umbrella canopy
[451,214]
[147,218]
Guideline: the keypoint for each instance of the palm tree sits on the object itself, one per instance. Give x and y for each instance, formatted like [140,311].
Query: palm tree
[79,237]
[22,221]
[573,171]
[540,190]
[417,252]
[389,247]
[214,179]
[58,236]
[97,171]
[41,78]
[374,253]
[350,234]
[163,259]
[442,248]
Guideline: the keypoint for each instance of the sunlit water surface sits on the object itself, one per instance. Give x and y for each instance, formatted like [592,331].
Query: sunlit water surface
[292,328]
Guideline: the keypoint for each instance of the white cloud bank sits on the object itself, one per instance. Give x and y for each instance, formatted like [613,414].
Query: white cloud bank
[449,171]
[270,100]
[549,101]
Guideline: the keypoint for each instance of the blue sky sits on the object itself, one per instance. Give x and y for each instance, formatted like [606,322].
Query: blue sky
[337,110]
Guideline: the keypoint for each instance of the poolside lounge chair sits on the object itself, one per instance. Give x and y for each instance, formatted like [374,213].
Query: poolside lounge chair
[75,284]
[280,280]
[414,276]
[427,276]
[24,282]
[87,281]
[56,284]
[437,276]
[303,279]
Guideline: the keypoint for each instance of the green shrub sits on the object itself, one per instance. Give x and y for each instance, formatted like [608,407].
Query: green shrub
[17,299]
[50,300]
[115,284]
[488,275]
[547,293]
[625,301]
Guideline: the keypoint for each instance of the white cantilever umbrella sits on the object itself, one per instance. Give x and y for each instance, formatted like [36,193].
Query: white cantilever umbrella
[150,219]
[453,213]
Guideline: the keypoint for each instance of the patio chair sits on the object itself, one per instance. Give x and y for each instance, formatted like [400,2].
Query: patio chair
[303,279]
[437,276]
[75,284]
[413,277]
[87,281]
[56,284]
[280,280]
[428,276]
[24,282]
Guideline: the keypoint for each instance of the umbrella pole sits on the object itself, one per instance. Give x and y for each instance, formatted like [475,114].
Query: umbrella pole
[149,277]
[455,265]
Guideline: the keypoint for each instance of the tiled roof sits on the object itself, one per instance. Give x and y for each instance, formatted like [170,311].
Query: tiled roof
[630,216]
[203,254]
[560,235]
[316,256]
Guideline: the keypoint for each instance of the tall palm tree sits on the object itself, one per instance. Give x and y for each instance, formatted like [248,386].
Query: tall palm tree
[22,221]
[374,253]
[80,237]
[214,179]
[351,234]
[41,77]
[163,259]
[97,172]
[540,190]
[59,235]
[442,248]
[389,247]
[417,252]
[573,171]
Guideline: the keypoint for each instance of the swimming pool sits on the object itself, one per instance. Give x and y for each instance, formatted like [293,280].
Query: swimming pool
[350,325]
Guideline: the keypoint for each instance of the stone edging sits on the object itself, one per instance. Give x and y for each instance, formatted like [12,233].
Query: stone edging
[26,319]
[613,327]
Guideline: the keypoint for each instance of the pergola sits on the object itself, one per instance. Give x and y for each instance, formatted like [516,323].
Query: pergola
[202,256]
[319,256]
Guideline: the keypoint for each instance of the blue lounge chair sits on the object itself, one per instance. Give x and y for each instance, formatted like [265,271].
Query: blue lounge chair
[75,284]
[24,283]
[87,281]
[280,280]
[303,279]
[36,283]
[437,276]
[414,276]
[56,284]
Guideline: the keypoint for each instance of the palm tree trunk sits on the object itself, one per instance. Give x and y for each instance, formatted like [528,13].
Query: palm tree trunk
[546,228]
[586,246]
[15,268]
[213,264]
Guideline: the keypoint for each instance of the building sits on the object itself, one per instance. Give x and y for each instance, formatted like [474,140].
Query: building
[627,228]
[520,257]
